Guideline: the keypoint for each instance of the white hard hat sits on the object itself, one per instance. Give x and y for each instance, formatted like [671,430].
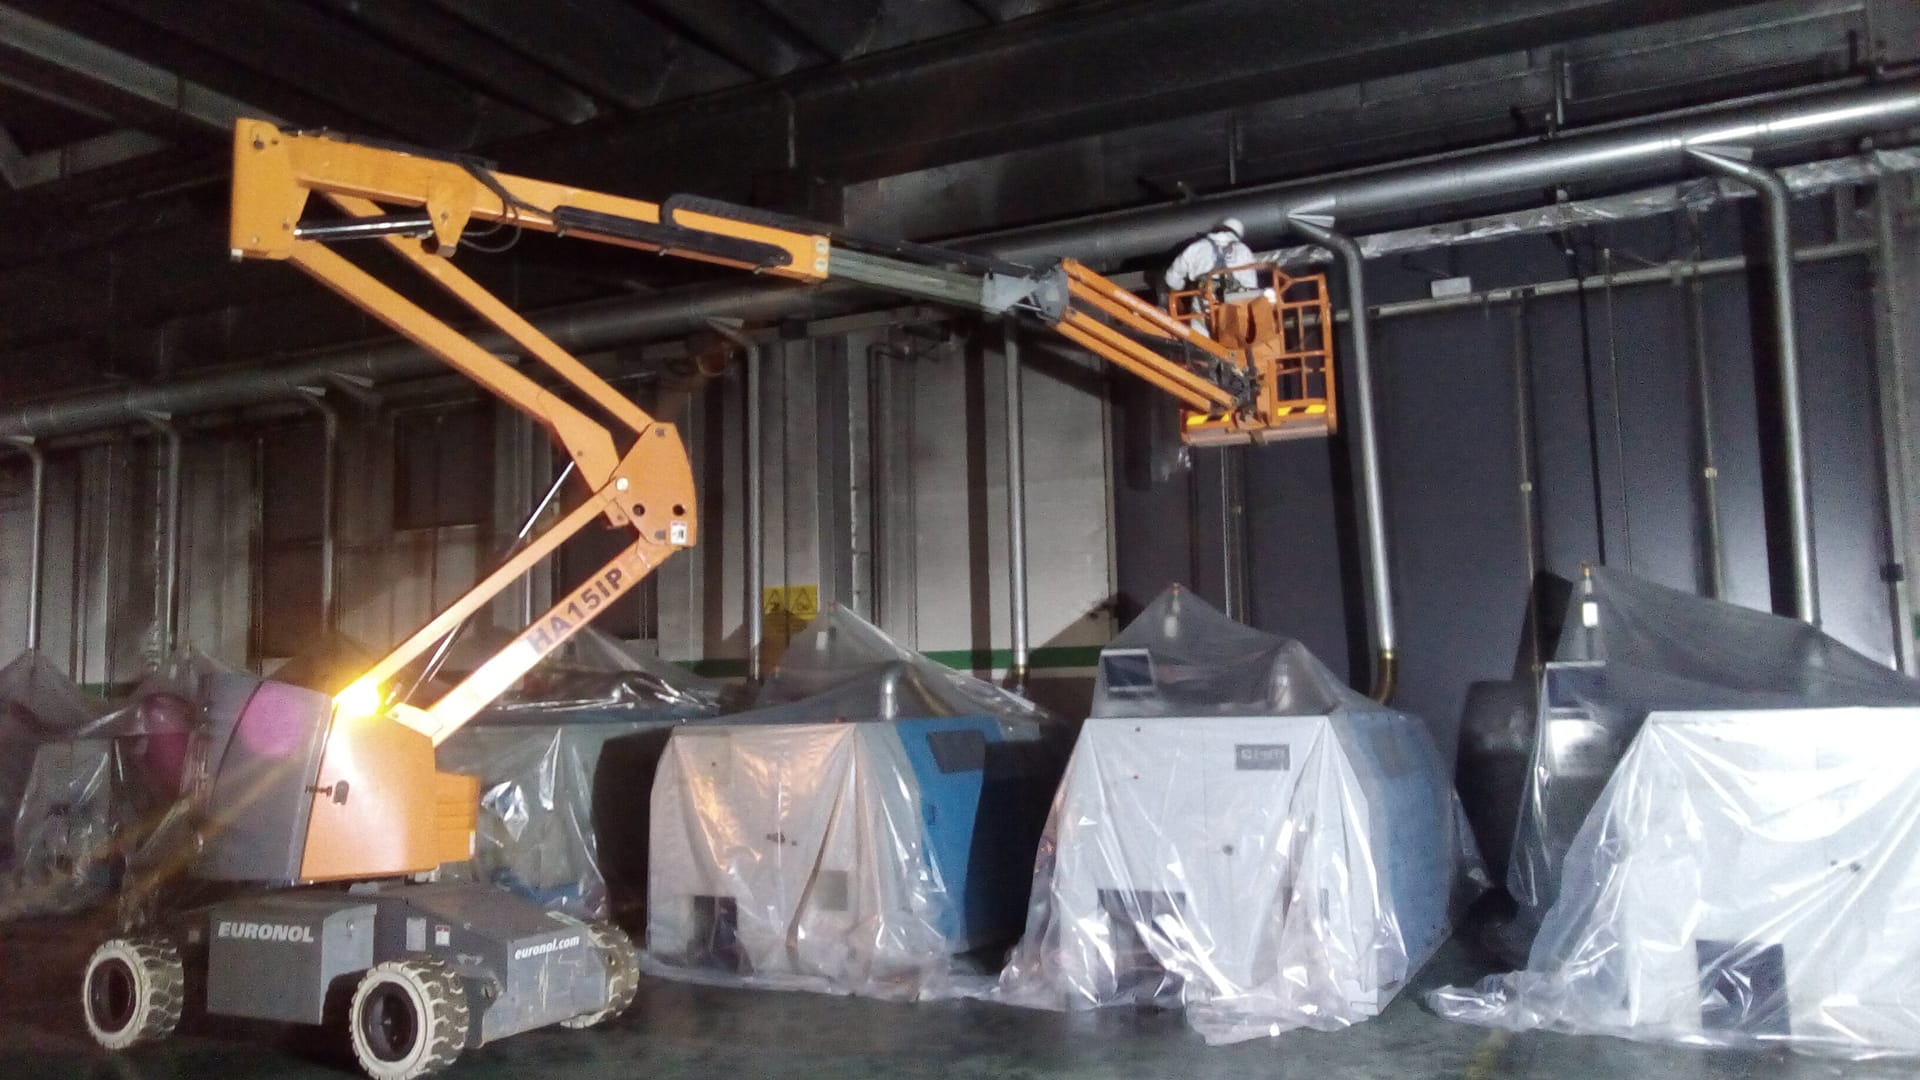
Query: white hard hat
[1233,226]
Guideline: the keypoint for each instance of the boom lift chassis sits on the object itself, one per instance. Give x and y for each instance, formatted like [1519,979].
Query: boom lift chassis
[332,810]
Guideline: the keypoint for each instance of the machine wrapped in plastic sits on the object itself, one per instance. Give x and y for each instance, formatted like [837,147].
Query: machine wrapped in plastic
[565,766]
[1241,835]
[863,831]
[104,790]
[1641,647]
[1748,872]
[38,705]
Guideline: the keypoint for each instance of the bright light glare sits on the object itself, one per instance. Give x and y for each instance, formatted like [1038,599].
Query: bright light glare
[359,701]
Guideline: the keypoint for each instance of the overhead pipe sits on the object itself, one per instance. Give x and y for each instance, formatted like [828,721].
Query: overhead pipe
[169,589]
[36,543]
[1643,151]
[1629,152]
[1651,275]
[329,487]
[1730,161]
[1372,490]
[1016,503]
[756,572]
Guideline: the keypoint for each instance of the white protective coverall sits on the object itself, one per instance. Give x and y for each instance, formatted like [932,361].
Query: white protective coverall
[1217,250]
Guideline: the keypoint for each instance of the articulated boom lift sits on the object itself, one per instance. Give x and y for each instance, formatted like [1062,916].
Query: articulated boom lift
[304,790]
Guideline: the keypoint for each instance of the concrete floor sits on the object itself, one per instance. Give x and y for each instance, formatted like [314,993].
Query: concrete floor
[677,1030]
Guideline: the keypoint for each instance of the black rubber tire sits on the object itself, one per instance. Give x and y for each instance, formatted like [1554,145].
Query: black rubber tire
[408,1018]
[134,991]
[623,974]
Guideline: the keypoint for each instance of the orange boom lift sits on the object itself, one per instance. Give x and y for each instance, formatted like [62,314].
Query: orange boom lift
[367,803]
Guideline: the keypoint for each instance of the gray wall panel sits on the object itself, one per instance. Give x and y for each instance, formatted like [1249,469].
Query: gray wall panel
[1449,455]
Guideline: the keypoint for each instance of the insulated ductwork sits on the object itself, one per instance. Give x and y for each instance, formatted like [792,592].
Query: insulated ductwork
[1633,153]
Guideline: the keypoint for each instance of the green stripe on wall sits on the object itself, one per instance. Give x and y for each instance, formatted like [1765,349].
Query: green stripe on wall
[1047,658]
[1052,657]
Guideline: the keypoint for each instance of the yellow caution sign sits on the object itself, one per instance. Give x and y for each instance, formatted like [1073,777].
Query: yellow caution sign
[787,610]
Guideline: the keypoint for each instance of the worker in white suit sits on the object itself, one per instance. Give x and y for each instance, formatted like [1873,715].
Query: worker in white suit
[1222,247]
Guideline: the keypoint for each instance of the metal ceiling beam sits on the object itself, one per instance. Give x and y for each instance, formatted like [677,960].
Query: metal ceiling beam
[986,10]
[1037,81]
[332,61]
[741,32]
[442,40]
[840,29]
[610,49]
[20,170]
[133,82]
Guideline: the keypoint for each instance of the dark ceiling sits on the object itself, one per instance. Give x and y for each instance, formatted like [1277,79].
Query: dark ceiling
[114,117]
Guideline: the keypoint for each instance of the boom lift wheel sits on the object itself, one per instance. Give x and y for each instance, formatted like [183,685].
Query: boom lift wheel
[409,1018]
[623,974]
[134,991]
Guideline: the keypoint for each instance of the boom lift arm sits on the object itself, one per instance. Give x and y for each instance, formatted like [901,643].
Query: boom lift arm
[1260,369]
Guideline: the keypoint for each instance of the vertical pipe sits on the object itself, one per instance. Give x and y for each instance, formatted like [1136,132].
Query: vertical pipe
[1715,548]
[1774,197]
[1371,488]
[36,541]
[168,617]
[1233,533]
[1016,501]
[329,486]
[1894,366]
[756,628]
[880,456]
[1530,539]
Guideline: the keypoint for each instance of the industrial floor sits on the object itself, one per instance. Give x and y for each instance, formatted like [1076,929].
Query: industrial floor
[679,1031]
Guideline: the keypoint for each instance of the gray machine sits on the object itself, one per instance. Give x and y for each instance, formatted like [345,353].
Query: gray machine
[418,971]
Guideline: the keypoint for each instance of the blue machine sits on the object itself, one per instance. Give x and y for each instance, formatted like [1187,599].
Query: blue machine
[983,802]
[1409,826]
[855,856]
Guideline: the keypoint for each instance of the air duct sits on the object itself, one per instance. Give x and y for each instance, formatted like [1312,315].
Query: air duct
[36,543]
[1731,162]
[1639,152]
[1372,489]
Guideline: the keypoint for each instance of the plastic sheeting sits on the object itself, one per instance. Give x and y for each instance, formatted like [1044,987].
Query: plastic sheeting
[106,798]
[1718,838]
[1636,647]
[843,667]
[38,704]
[1241,835]
[867,828]
[1748,878]
[565,767]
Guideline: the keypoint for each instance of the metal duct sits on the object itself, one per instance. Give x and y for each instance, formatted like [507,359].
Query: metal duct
[1775,197]
[756,523]
[36,544]
[329,486]
[168,616]
[1016,504]
[1643,152]
[1372,490]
